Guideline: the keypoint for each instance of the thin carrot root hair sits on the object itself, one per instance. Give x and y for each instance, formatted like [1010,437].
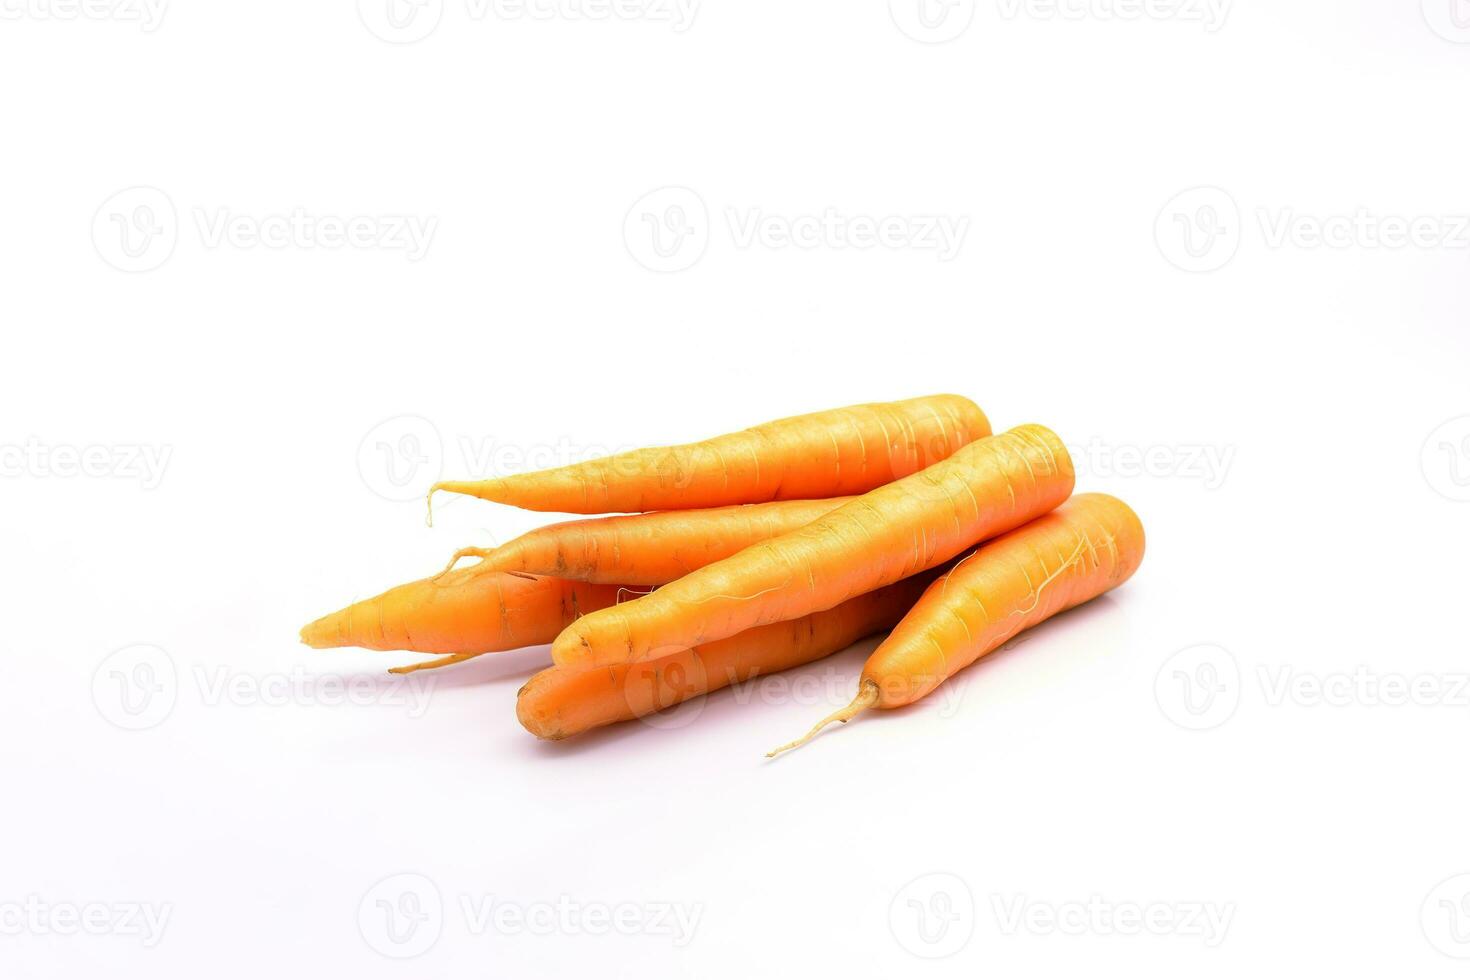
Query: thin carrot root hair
[480,553]
[436,663]
[742,598]
[867,696]
[451,486]
[957,566]
[1085,543]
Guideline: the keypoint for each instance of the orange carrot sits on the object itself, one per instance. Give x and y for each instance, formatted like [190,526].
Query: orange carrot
[646,549]
[886,535]
[462,613]
[827,454]
[1085,547]
[564,701]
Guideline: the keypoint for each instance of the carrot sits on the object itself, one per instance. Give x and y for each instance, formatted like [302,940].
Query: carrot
[886,535]
[563,701]
[1085,547]
[827,454]
[646,549]
[462,613]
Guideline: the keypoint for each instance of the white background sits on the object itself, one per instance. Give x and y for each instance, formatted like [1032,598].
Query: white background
[303,395]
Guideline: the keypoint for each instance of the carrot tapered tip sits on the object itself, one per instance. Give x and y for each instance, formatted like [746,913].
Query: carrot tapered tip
[470,488]
[329,631]
[867,696]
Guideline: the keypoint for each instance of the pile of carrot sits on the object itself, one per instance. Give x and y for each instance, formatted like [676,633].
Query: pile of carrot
[764,550]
